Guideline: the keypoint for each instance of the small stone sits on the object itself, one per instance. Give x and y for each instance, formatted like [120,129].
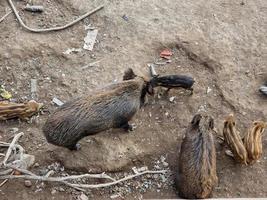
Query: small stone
[125,18]
[165,164]
[209,90]
[61,189]
[163,178]
[83,197]
[36,165]
[53,191]
[28,183]
[114,196]
[171,99]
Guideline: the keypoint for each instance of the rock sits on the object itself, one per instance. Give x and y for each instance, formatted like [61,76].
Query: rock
[36,165]
[83,197]
[61,189]
[165,164]
[114,196]
[209,90]
[53,191]
[171,99]
[28,183]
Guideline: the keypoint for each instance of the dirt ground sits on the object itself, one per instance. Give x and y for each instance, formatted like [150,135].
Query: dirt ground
[222,44]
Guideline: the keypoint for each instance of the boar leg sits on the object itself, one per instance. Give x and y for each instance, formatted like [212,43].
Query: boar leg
[126,126]
[74,147]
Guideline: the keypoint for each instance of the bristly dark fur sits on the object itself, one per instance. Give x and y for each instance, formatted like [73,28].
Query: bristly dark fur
[106,108]
[197,175]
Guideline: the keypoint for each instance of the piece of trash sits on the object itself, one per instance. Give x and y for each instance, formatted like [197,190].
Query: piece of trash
[209,90]
[34,8]
[263,89]
[125,18]
[33,88]
[166,53]
[57,101]
[152,70]
[171,99]
[5,94]
[90,39]
[74,50]
[10,110]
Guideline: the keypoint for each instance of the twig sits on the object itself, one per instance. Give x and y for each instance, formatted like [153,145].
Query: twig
[3,183]
[118,181]
[2,19]
[6,172]
[79,186]
[91,64]
[54,28]
[11,147]
[64,180]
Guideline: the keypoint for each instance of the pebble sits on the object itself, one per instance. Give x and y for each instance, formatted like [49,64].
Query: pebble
[165,164]
[114,196]
[83,197]
[171,99]
[28,183]
[36,165]
[53,191]
[61,189]
[209,90]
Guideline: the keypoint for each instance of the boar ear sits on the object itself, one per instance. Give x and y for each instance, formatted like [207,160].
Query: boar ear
[196,119]
[128,74]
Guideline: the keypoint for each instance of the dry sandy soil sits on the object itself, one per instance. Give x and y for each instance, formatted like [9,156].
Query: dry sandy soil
[222,44]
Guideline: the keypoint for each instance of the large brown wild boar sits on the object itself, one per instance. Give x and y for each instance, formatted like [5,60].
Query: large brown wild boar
[197,175]
[110,107]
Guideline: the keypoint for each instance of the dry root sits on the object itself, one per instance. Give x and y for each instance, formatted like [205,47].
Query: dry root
[9,165]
